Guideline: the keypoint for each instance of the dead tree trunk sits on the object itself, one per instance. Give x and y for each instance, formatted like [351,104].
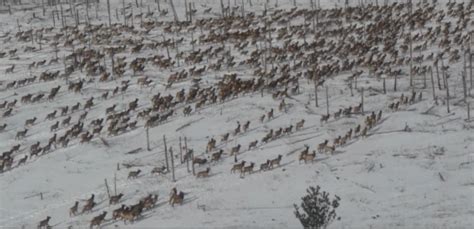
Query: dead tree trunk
[433,85]
[468,112]
[362,100]
[107,186]
[174,11]
[166,154]
[192,162]
[463,75]
[147,139]
[447,91]
[187,155]
[327,100]
[180,151]
[172,163]
[108,10]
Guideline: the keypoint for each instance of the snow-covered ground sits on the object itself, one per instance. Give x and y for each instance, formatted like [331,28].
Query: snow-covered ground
[389,179]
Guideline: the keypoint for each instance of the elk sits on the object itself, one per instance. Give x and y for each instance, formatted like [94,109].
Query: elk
[247,169]
[324,118]
[66,121]
[159,170]
[44,223]
[246,126]
[30,122]
[10,69]
[199,161]
[237,167]
[329,149]
[7,113]
[253,144]
[299,125]
[22,160]
[321,146]
[117,212]
[265,166]
[3,127]
[176,198]
[115,199]
[308,157]
[288,130]
[110,109]
[150,201]
[51,115]
[270,114]
[75,108]
[73,209]
[237,129]
[235,150]
[133,174]
[89,103]
[204,173]
[96,221]
[54,127]
[225,137]
[21,134]
[88,207]
[275,161]
[217,155]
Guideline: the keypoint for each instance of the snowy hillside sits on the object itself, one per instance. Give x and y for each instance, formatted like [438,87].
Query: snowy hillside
[399,148]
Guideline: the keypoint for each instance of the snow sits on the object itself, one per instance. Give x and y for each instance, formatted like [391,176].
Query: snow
[389,179]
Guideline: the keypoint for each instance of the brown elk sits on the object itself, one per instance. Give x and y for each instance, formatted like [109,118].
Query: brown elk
[96,221]
[117,212]
[10,69]
[247,169]
[299,125]
[133,174]
[115,199]
[149,202]
[329,149]
[235,150]
[225,137]
[308,157]
[265,166]
[22,160]
[275,162]
[73,209]
[159,170]
[3,127]
[51,115]
[217,155]
[7,113]
[321,146]
[30,122]
[54,127]
[324,118]
[176,198]
[21,134]
[44,223]
[237,167]
[88,207]
[204,173]
[199,161]
[253,144]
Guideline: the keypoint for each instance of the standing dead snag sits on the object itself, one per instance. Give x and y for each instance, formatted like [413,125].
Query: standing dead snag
[327,101]
[174,11]
[172,163]
[147,139]
[166,154]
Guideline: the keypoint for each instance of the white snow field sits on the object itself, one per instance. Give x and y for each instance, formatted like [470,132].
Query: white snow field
[420,177]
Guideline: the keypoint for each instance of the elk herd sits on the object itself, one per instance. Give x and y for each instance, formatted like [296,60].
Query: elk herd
[104,67]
